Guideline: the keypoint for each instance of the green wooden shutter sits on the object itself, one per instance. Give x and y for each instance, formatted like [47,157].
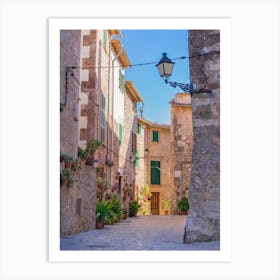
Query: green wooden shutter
[137,158]
[155,136]
[120,133]
[121,81]
[104,38]
[155,172]
[139,128]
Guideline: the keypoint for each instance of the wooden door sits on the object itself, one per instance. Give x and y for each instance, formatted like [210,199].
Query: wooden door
[155,203]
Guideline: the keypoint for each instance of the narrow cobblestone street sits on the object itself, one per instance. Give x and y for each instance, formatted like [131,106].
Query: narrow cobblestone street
[137,233]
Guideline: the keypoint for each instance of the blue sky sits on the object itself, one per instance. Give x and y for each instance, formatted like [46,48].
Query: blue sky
[143,46]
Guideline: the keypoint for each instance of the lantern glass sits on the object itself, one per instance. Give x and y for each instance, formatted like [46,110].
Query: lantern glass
[165,66]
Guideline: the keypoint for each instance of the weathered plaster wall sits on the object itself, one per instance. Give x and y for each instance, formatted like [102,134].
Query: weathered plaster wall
[160,151]
[203,221]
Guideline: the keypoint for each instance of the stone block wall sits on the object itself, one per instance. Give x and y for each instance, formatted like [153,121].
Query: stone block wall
[78,203]
[70,43]
[203,221]
[181,135]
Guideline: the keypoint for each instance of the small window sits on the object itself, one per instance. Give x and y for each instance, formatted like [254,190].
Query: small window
[120,133]
[155,172]
[155,136]
[137,158]
[139,128]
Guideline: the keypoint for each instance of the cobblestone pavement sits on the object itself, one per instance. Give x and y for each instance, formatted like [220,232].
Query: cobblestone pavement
[137,233]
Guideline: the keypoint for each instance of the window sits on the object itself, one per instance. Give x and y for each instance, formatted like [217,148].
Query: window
[155,136]
[121,81]
[139,128]
[120,133]
[133,142]
[102,118]
[137,158]
[155,172]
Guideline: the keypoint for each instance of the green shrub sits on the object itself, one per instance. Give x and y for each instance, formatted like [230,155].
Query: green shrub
[116,207]
[102,212]
[133,208]
[183,205]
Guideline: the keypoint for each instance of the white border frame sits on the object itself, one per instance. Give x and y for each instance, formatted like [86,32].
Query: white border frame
[224,254]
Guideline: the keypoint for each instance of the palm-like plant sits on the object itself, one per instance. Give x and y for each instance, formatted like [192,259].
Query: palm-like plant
[102,212]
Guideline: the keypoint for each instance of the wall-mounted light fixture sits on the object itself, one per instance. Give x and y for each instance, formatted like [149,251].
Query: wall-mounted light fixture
[165,67]
[68,71]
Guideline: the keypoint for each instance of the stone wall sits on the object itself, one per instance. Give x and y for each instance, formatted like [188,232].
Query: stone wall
[181,135]
[78,203]
[70,43]
[203,221]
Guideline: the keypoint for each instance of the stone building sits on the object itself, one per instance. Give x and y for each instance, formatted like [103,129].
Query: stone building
[153,167]
[203,221]
[94,99]
[78,196]
[128,145]
[181,141]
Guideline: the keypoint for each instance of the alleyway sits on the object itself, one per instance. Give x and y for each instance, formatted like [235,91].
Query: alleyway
[137,233]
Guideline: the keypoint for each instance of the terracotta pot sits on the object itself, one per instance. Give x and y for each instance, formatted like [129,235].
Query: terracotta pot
[99,225]
[67,164]
[90,161]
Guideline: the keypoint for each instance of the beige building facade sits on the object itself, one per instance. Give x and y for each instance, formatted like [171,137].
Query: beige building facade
[153,169]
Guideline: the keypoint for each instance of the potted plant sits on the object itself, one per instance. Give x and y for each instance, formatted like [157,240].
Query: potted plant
[64,176]
[165,203]
[92,146]
[183,205]
[67,161]
[82,155]
[133,208]
[125,213]
[102,214]
[116,207]
[102,186]
[76,165]
[61,157]
[109,162]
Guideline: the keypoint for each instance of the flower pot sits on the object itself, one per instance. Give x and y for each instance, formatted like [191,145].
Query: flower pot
[99,225]
[125,216]
[90,161]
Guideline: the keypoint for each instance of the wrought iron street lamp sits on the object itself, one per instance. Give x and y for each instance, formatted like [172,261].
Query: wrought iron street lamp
[165,67]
